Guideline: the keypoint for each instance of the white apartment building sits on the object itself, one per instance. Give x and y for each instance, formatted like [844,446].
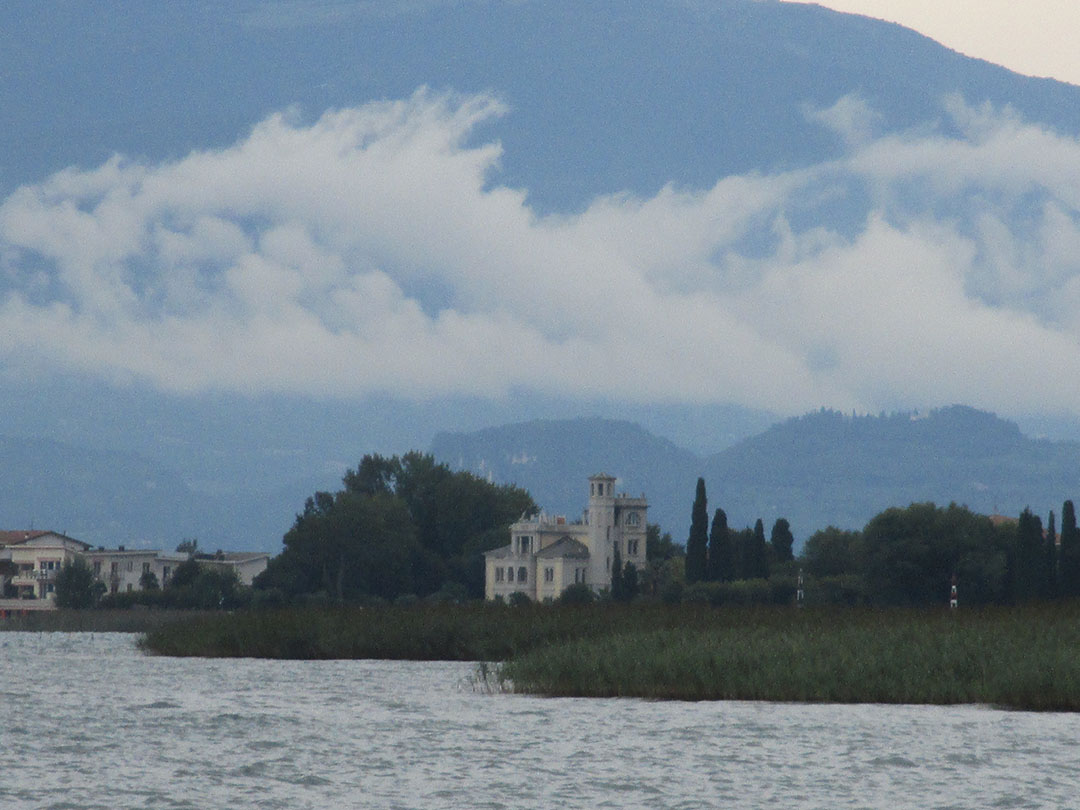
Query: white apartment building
[547,554]
[30,561]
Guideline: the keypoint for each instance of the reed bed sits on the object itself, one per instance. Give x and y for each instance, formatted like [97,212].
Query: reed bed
[1020,658]
[92,621]
[1025,658]
[474,632]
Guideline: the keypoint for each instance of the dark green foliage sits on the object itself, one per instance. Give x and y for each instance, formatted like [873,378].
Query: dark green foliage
[912,554]
[75,585]
[1027,561]
[618,592]
[630,584]
[1069,574]
[149,582]
[833,552]
[782,541]
[697,543]
[195,586]
[661,547]
[518,599]
[742,542]
[400,526]
[757,562]
[577,594]
[1051,588]
[721,550]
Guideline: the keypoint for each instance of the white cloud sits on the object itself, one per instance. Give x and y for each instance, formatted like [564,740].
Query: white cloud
[368,252]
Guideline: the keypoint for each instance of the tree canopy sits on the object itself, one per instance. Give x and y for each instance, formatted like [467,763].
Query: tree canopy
[399,526]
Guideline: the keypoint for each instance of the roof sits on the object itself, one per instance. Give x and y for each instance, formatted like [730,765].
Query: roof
[235,557]
[15,538]
[10,538]
[499,553]
[566,547]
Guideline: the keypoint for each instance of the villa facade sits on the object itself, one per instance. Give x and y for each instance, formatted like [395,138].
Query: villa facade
[547,554]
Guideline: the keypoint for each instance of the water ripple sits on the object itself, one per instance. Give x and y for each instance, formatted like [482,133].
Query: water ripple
[91,723]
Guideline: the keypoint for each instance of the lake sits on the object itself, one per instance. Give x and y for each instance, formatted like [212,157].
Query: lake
[90,722]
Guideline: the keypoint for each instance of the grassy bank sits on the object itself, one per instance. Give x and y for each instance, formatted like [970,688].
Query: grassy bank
[93,621]
[1023,658]
[475,632]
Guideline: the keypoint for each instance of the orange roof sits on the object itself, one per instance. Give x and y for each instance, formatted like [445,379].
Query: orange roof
[12,538]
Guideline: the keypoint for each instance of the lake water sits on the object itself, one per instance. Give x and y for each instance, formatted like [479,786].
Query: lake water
[90,722]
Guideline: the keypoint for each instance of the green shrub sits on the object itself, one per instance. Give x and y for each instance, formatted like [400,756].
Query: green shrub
[577,594]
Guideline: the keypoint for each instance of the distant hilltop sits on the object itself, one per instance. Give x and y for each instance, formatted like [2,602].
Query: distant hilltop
[824,468]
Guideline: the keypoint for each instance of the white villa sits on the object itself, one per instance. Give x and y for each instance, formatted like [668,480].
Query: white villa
[30,561]
[547,553]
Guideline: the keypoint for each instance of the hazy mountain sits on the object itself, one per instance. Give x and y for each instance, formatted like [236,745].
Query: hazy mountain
[554,458]
[606,97]
[821,469]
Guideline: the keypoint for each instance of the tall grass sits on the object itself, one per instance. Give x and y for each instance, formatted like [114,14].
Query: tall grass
[92,621]
[1022,658]
[422,632]
[1018,657]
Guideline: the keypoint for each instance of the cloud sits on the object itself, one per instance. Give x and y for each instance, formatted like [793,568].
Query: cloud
[373,251]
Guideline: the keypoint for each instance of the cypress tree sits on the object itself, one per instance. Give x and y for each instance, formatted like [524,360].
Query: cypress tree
[1028,559]
[631,583]
[1050,566]
[1070,553]
[721,552]
[697,543]
[782,540]
[617,589]
[742,542]
[759,554]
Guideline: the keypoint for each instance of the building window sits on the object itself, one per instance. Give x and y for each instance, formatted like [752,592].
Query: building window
[523,574]
[131,565]
[631,548]
[510,573]
[97,568]
[524,544]
[633,519]
[165,574]
[114,568]
[549,575]
[146,568]
[499,574]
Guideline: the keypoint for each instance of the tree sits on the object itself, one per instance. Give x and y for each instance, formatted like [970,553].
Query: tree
[782,541]
[912,554]
[617,590]
[758,557]
[189,546]
[1069,575]
[399,526]
[833,552]
[149,581]
[660,547]
[697,543]
[74,584]
[1028,559]
[1050,564]
[630,582]
[741,541]
[721,550]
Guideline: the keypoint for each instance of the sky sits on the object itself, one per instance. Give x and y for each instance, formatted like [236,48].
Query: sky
[1034,37]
